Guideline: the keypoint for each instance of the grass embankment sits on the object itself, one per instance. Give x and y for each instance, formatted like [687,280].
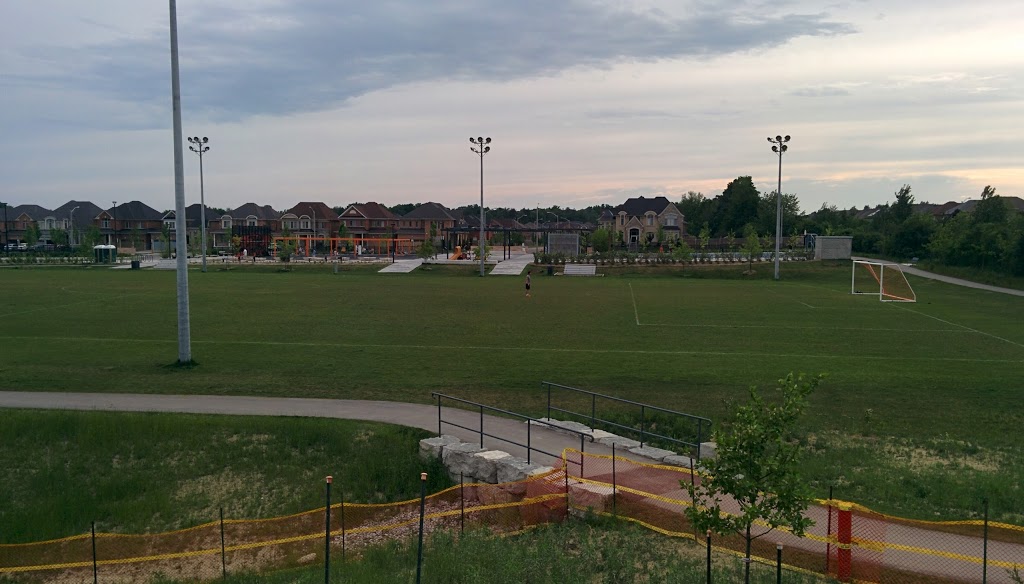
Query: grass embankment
[147,473]
[916,417]
[570,553]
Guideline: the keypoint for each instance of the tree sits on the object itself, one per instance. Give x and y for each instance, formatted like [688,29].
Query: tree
[757,466]
[90,238]
[737,205]
[601,239]
[32,234]
[165,238]
[696,208]
[704,238]
[426,250]
[59,237]
[751,245]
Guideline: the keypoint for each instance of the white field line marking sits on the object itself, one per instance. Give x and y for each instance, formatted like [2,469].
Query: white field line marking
[635,313]
[798,327]
[959,325]
[511,349]
[807,305]
[55,306]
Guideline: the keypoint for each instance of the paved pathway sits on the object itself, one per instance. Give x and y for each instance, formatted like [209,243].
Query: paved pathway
[513,266]
[949,279]
[402,266]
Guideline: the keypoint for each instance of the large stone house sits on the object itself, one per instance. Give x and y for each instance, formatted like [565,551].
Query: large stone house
[638,220]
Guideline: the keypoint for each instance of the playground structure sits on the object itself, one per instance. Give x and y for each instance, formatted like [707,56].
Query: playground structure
[308,245]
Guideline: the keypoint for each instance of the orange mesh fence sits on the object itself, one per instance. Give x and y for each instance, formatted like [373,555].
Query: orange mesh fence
[848,542]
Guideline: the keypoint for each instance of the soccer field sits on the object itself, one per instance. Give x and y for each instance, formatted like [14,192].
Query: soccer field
[943,374]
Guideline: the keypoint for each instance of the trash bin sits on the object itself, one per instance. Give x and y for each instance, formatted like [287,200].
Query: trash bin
[135,264]
[551,270]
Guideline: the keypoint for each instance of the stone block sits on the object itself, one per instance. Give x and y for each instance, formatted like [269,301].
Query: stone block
[458,458]
[619,442]
[432,447]
[494,495]
[678,460]
[588,496]
[651,452]
[599,434]
[708,450]
[513,469]
[484,465]
[562,427]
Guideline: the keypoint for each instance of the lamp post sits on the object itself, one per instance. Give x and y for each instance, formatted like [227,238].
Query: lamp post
[4,206]
[198,145]
[557,218]
[778,146]
[113,230]
[71,228]
[481,149]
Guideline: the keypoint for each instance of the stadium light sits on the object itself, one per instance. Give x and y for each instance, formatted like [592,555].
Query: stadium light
[778,146]
[481,148]
[198,145]
[184,325]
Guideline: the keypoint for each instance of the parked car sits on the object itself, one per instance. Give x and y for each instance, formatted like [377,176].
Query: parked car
[17,247]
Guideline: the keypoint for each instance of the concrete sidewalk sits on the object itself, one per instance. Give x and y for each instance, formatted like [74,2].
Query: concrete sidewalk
[405,414]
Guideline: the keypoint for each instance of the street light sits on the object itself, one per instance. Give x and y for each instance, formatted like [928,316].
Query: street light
[481,149]
[71,228]
[557,218]
[778,146]
[199,147]
[113,214]
[4,206]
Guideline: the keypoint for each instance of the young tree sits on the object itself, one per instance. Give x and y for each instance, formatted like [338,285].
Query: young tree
[751,246]
[32,234]
[756,471]
[165,238]
[601,239]
[426,250]
[704,238]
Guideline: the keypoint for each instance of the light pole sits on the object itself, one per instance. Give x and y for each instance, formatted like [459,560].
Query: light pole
[71,228]
[779,146]
[4,206]
[113,214]
[181,287]
[198,145]
[557,218]
[481,149]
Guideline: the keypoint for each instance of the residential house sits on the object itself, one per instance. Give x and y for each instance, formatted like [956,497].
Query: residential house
[1014,203]
[76,217]
[418,223]
[369,221]
[133,225]
[310,221]
[255,225]
[638,220]
[22,217]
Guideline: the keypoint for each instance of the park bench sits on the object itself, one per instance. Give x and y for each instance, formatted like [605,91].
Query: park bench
[580,270]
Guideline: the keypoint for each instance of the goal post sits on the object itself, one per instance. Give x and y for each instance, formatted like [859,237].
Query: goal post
[882,279]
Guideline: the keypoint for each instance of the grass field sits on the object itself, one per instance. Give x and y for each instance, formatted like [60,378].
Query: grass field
[147,473]
[919,414]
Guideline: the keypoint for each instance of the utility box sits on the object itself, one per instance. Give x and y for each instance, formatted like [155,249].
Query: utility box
[104,254]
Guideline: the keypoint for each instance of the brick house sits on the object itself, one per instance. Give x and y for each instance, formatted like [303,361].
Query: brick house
[638,220]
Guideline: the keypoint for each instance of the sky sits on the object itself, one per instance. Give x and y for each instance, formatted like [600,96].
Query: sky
[587,102]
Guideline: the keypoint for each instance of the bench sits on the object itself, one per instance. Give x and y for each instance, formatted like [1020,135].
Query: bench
[580,270]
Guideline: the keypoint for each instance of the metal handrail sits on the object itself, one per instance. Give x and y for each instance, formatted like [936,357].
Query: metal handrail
[530,422]
[703,423]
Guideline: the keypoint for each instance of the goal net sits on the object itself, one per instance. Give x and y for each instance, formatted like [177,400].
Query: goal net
[882,279]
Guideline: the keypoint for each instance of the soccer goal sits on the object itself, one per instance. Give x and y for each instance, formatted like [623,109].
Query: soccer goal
[882,279]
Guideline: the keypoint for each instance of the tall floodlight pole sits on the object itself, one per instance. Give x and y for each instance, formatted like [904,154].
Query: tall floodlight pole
[779,146]
[198,145]
[71,228]
[184,334]
[4,207]
[481,149]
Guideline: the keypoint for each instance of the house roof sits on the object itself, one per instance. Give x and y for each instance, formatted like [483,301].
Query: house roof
[84,214]
[33,212]
[369,211]
[264,213]
[640,205]
[192,215]
[430,211]
[321,210]
[135,211]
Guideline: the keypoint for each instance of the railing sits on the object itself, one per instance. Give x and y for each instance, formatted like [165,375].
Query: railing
[584,437]
[703,425]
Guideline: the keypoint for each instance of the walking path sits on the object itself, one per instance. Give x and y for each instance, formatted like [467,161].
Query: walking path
[947,554]
[949,279]
[513,266]
[402,266]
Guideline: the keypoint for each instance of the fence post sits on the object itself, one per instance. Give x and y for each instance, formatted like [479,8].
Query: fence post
[341,495]
[641,426]
[95,575]
[223,558]
[439,415]
[327,533]
[778,563]
[529,446]
[481,427]
[615,487]
[828,533]
[984,553]
[709,556]
[462,503]
[844,551]
[423,499]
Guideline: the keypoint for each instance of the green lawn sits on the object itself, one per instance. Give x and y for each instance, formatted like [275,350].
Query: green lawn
[918,415]
[147,473]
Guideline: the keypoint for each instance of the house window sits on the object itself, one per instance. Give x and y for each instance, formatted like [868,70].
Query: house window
[650,219]
[225,223]
[670,220]
[251,222]
[305,224]
[169,224]
[106,223]
[622,219]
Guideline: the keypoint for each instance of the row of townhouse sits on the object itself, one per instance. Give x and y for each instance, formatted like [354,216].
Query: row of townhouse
[135,225]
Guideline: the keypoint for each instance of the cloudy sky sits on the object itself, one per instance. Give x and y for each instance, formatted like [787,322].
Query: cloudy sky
[587,101]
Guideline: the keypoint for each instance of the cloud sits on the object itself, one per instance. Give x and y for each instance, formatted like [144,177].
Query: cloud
[826,91]
[311,55]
